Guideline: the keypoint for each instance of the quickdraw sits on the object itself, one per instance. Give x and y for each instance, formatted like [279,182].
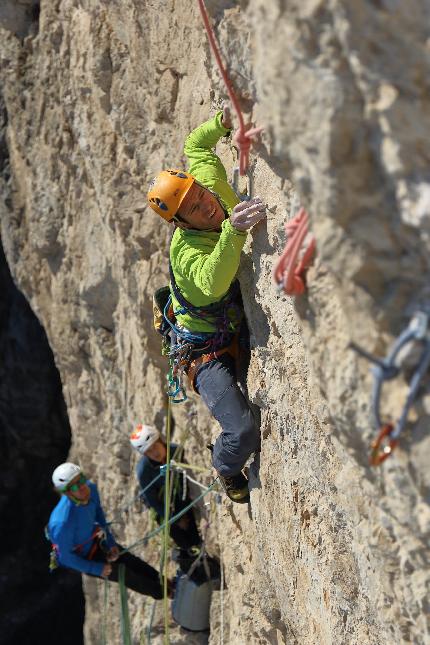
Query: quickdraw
[289,271]
[179,357]
[244,197]
[389,368]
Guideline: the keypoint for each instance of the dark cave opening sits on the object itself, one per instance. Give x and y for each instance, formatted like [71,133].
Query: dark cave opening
[36,606]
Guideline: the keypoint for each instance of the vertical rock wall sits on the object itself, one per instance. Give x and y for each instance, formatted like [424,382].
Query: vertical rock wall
[99,96]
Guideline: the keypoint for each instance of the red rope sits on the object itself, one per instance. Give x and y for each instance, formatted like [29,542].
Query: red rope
[243,136]
[289,271]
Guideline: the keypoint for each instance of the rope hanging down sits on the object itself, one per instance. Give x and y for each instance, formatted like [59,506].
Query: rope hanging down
[167,492]
[172,520]
[244,135]
[289,271]
[389,368]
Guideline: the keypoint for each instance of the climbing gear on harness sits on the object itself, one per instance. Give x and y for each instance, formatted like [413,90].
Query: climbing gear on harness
[63,475]
[144,437]
[244,135]
[167,191]
[288,273]
[53,555]
[389,368]
[159,301]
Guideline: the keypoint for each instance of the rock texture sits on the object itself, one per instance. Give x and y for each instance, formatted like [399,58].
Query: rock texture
[99,96]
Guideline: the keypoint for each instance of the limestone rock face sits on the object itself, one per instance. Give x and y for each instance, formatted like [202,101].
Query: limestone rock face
[98,97]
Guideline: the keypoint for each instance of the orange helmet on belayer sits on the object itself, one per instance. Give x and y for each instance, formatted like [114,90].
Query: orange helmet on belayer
[167,191]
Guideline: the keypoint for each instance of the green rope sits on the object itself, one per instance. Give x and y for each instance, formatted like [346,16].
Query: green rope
[198,469]
[172,519]
[166,526]
[125,617]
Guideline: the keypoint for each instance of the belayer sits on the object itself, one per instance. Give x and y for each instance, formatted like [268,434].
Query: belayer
[211,225]
[149,443]
[81,538]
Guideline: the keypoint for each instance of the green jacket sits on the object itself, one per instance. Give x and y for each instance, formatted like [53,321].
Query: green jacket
[205,263]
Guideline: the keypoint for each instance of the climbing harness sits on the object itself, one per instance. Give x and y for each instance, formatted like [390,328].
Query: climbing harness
[389,368]
[289,271]
[97,537]
[244,135]
[203,346]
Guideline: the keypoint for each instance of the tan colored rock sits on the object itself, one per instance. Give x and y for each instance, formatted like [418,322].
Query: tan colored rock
[99,100]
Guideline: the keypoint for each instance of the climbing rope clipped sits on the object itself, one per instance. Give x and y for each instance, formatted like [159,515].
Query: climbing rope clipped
[244,135]
[389,368]
[289,271]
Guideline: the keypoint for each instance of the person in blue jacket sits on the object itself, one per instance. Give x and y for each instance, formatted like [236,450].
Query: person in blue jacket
[82,540]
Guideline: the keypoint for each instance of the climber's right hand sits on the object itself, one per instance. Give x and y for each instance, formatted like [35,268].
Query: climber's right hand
[246,214]
[107,570]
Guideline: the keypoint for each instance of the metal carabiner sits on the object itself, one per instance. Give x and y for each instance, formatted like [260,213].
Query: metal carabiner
[386,369]
[379,448]
[244,197]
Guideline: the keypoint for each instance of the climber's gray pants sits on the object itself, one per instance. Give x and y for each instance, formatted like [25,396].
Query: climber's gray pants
[240,436]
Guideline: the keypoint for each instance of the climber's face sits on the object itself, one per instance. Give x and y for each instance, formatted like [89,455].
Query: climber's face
[78,489]
[157,452]
[200,210]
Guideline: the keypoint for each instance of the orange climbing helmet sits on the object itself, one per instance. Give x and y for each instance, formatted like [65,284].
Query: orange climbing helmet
[167,191]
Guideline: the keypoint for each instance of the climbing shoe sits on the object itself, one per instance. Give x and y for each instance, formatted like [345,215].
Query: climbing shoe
[236,488]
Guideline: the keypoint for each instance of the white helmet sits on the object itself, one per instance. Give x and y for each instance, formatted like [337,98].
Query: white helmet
[143,437]
[63,474]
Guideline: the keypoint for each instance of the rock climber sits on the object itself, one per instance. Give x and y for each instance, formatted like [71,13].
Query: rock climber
[211,225]
[82,540]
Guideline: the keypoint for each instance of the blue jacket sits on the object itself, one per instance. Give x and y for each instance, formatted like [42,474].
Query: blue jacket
[71,525]
[146,471]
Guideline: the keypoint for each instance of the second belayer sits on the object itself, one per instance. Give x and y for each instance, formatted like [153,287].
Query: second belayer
[211,225]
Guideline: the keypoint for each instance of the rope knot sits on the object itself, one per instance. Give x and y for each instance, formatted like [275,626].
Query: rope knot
[243,139]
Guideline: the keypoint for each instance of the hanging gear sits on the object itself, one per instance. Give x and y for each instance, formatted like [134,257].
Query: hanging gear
[389,368]
[167,192]
[144,437]
[64,474]
[289,271]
